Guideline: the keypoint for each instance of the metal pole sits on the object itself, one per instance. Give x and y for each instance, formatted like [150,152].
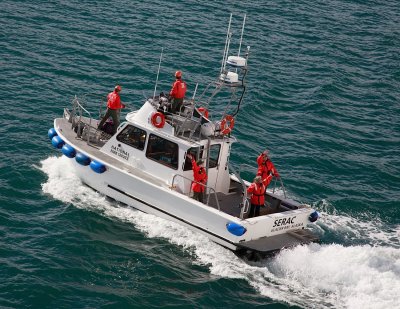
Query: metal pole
[227,51]
[241,37]
[195,90]
[226,43]
[158,72]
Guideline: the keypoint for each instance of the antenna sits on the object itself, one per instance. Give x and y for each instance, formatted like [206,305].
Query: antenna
[195,90]
[226,44]
[227,51]
[158,72]
[241,36]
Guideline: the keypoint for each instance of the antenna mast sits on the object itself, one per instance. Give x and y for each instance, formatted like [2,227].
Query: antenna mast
[158,72]
[241,36]
[226,49]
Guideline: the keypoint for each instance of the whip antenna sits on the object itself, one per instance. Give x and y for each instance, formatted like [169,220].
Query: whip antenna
[241,36]
[226,44]
[158,72]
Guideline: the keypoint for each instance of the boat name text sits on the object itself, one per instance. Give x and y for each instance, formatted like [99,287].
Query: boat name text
[287,227]
[284,221]
[120,152]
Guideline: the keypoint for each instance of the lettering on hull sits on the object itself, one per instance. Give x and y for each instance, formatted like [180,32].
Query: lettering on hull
[285,224]
[120,152]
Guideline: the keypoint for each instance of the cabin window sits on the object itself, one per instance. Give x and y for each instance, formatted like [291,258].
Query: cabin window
[214,155]
[163,151]
[194,151]
[132,136]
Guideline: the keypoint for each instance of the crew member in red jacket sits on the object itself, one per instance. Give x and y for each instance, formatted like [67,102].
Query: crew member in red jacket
[177,92]
[200,179]
[265,166]
[257,190]
[113,107]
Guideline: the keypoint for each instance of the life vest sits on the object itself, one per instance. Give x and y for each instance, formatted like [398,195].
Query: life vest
[178,90]
[264,168]
[114,100]
[200,176]
[257,193]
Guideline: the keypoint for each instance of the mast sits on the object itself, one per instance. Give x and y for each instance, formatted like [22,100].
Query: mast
[158,72]
[241,36]
[226,49]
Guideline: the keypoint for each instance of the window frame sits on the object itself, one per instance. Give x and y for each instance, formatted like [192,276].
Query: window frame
[126,140]
[162,153]
[217,159]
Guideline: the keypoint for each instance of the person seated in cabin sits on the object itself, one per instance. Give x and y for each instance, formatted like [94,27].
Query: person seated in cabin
[114,106]
[177,93]
[200,179]
[265,166]
[257,191]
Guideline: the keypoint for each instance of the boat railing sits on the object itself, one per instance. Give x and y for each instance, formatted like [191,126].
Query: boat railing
[245,202]
[85,129]
[100,101]
[210,190]
[278,182]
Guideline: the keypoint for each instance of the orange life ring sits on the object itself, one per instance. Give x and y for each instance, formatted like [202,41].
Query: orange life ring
[226,129]
[203,111]
[158,120]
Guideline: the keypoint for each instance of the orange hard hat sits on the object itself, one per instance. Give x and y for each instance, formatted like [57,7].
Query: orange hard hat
[118,88]
[178,74]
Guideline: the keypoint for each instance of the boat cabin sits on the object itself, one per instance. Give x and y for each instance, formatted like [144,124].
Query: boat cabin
[161,150]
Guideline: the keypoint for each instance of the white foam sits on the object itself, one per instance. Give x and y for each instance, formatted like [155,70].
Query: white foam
[367,228]
[312,276]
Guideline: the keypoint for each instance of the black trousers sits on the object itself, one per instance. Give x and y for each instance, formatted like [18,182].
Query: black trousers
[176,105]
[114,114]
[199,196]
[254,210]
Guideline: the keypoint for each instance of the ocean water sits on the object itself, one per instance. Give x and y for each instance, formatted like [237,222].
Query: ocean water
[323,96]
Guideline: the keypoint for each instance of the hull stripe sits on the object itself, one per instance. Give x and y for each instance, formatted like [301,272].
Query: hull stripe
[170,215]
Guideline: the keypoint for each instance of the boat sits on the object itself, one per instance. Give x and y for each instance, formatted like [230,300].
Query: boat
[145,164]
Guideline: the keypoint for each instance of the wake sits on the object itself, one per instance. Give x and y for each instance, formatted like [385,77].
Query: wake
[320,276]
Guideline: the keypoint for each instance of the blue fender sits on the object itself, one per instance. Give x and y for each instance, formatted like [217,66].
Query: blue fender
[235,229]
[98,167]
[82,159]
[51,133]
[68,151]
[57,142]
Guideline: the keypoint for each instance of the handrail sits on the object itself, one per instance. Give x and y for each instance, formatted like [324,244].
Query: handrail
[98,96]
[275,185]
[244,209]
[207,187]
[80,108]
[282,186]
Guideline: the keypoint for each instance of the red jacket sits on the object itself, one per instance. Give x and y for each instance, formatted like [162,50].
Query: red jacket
[114,100]
[257,191]
[199,175]
[264,168]
[178,90]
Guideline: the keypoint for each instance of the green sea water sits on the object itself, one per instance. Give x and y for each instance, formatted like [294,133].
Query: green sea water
[323,96]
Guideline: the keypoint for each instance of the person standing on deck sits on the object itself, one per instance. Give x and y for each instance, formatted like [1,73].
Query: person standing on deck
[177,92]
[200,179]
[114,106]
[257,190]
[265,166]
